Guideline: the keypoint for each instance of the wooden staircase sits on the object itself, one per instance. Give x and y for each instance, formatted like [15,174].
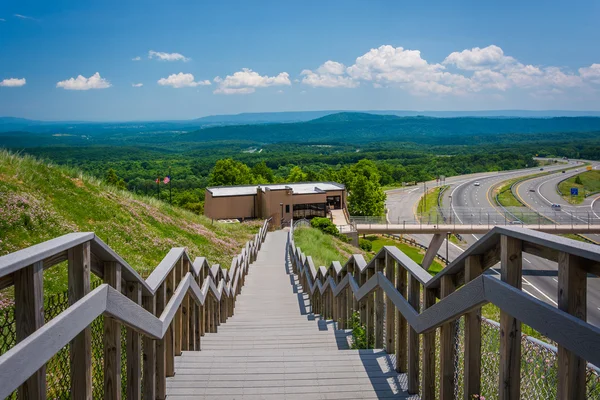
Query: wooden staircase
[274,347]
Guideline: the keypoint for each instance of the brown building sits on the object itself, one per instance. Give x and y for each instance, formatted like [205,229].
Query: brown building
[298,200]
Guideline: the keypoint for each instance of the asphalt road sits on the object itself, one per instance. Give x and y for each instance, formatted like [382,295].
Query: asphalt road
[471,203]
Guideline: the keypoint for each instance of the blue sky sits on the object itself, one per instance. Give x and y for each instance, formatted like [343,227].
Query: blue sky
[77,60]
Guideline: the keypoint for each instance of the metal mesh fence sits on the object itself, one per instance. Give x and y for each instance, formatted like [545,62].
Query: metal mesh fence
[58,371]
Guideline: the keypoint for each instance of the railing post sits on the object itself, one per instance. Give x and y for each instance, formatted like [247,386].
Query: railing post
[390,308]
[112,339]
[370,312]
[149,347]
[185,324]
[170,333]
[81,346]
[164,346]
[29,317]
[378,310]
[572,299]
[511,262]
[428,376]
[472,360]
[447,347]
[177,321]
[401,346]
[134,348]
[414,298]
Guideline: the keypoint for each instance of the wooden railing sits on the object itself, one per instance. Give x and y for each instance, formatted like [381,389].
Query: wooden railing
[418,305]
[165,314]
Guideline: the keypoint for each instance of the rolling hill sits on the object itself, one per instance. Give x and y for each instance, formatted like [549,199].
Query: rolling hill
[39,202]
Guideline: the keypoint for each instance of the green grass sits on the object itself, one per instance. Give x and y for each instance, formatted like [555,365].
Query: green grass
[590,184]
[506,197]
[39,202]
[428,206]
[416,254]
[323,248]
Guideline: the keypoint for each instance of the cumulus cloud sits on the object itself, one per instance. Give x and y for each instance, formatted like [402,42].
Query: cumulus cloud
[13,82]
[137,84]
[82,83]
[473,70]
[477,58]
[138,58]
[330,74]
[591,73]
[167,56]
[182,80]
[247,81]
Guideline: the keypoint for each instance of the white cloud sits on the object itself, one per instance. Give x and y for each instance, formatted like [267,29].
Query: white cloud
[13,82]
[476,70]
[138,58]
[2,20]
[21,16]
[330,74]
[137,84]
[167,56]
[182,80]
[82,83]
[477,58]
[247,81]
[591,73]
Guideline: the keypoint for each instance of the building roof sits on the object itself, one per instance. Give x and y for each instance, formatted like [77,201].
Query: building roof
[297,188]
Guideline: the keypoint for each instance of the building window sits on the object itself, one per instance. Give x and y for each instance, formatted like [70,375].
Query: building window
[287,208]
[310,210]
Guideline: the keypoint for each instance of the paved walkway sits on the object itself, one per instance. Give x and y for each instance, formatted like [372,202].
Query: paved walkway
[275,348]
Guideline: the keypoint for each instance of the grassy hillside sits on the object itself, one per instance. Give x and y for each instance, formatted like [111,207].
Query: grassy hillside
[323,248]
[39,202]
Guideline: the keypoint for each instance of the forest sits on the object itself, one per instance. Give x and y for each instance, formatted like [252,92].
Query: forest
[386,151]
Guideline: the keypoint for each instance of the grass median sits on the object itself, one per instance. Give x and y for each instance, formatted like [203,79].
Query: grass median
[587,183]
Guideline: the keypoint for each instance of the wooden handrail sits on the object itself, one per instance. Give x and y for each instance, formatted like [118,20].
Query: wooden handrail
[174,280]
[331,288]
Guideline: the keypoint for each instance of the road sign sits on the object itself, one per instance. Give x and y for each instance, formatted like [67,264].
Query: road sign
[574,191]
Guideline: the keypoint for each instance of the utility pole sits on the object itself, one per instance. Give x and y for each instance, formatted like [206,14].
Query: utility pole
[170,179]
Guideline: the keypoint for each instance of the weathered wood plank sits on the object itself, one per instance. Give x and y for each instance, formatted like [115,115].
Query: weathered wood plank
[29,317]
[112,339]
[428,376]
[163,353]
[379,301]
[572,298]
[81,346]
[134,348]
[447,346]
[170,334]
[178,320]
[401,326]
[149,348]
[390,310]
[472,359]
[414,298]
[511,270]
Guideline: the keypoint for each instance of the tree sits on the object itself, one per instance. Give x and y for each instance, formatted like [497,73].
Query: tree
[112,179]
[261,170]
[297,175]
[366,197]
[578,180]
[229,172]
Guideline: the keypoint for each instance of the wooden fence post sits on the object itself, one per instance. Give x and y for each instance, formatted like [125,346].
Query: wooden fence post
[170,334]
[414,298]
[370,312]
[378,310]
[401,353]
[511,263]
[134,348]
[81,346]
[185,323]
[447,345]
[112,339]
[390,308]
[572,299]
[29,317]
[428,376]
[162,345]
[178,320]
[472,361]
[150,359]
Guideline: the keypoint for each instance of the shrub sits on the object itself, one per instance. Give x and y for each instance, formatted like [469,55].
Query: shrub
[325,225]
[359,333]
[365,244]
[578,180]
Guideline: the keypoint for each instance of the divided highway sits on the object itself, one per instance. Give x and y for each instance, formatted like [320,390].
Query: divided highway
[466,201]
